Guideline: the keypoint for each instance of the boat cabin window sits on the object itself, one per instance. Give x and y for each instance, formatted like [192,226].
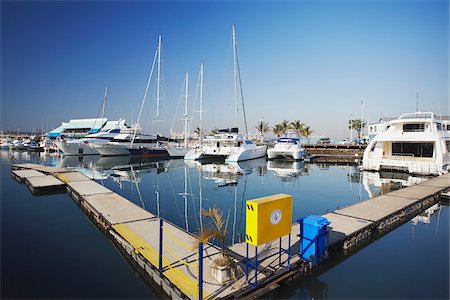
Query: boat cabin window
[439,126]
[448,127]
[412,149]
[414,127]
[115,131]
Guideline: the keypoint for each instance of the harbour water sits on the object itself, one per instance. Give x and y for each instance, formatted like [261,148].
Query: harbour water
[51,250]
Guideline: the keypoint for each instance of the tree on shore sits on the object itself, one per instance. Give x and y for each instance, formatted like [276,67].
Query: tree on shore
[297,126]
[277,130]
[356,124]
[262,127]
[307,132]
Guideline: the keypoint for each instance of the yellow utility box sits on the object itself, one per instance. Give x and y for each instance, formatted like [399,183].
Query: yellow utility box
[268,218]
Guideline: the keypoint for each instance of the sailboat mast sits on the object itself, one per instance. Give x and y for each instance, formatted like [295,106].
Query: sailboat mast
[201,104]
[235,78]
[105,96]
[144,98]
[186,112]
[158,86]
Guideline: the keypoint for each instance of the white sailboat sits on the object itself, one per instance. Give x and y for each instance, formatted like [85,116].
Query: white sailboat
[229,143]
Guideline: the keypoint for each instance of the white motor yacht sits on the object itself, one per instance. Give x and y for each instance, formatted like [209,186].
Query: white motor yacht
[417,143]
[288,146]
[85,146]
[142,145]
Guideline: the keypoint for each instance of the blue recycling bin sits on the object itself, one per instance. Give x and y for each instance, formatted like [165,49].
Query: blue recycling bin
[313,238]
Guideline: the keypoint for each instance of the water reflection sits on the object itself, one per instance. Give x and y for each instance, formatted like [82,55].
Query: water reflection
[288,171]
[379,183]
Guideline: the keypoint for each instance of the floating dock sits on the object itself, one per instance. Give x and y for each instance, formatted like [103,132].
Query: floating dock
[175,259]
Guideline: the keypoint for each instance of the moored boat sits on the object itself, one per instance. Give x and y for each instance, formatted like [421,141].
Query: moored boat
[85,146]
[415,142]
[288,146]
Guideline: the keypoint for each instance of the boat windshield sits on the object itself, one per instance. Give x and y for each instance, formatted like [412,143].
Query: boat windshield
[287,140]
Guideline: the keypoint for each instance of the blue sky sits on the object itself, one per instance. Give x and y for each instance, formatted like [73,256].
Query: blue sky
[308,60]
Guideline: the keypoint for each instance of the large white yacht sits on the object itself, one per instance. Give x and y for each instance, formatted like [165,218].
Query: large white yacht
[288,146]
[415,142]
[85,146]
[134,144]
[228,144]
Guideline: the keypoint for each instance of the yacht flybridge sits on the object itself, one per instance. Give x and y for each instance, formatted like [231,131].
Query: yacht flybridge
[415,142]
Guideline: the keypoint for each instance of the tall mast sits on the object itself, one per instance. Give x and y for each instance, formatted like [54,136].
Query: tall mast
[105,96]
[186,112]
[158,86]
[201,104]
[145,97]
[235,77]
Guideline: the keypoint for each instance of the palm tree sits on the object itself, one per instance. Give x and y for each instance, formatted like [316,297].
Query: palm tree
[217,229]
[277,130]
[356,124]
[198,131]
[284,126]
[262,128]
[298,127]
[307,132]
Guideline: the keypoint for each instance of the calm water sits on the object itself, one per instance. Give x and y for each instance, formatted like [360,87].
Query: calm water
[49,249]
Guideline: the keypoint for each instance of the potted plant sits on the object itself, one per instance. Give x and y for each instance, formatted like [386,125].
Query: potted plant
[222,266]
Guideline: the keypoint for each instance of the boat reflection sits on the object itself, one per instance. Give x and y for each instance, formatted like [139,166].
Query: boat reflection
[289,171]
[379,183]
[225,174]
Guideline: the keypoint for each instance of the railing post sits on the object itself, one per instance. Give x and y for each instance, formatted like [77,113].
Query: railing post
[160,245]
[200,270]
[246,262]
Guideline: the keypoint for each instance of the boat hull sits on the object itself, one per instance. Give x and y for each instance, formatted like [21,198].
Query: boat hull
[296,154]
[177,151]
[76,148]
[247,154]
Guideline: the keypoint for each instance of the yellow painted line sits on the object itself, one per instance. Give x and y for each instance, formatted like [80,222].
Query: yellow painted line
[62,177]
[185,283]
[138,243]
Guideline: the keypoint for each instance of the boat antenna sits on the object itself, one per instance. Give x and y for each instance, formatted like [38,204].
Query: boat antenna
[362,119]
[417,102]
[145,97]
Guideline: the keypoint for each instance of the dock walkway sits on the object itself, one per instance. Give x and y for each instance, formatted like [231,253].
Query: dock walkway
[138,232]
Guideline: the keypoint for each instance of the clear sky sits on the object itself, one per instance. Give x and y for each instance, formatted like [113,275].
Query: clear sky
[308,60]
